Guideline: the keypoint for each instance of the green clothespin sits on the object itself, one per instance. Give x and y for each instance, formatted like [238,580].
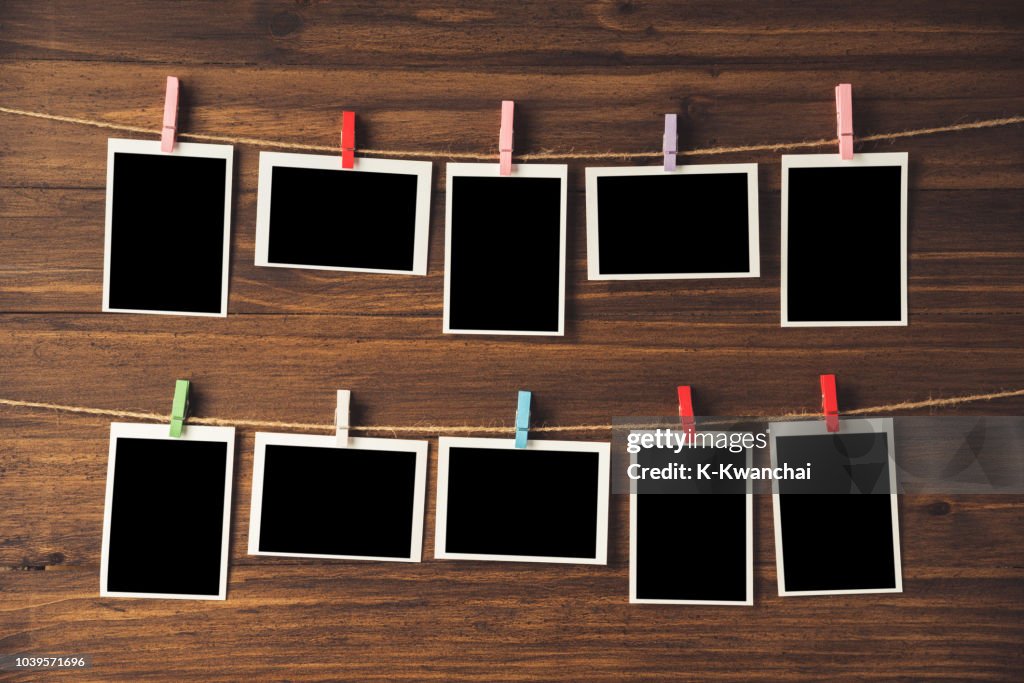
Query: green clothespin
[179,409]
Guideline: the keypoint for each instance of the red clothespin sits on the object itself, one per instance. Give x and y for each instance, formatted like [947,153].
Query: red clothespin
[348,139]
[844,120]
[829,404]
[669,142]
[170,127]
[686,412]
[505,138]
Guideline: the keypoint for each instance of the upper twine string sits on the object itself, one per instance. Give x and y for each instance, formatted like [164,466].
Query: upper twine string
[534,156]
[471,429]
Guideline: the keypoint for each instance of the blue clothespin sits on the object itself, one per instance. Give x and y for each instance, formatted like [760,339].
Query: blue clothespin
[179,407]
[523,419]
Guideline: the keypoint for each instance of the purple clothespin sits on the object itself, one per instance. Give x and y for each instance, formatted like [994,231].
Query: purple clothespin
[669,142]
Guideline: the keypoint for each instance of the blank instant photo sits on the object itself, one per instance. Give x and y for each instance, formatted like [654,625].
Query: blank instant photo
[168,228]
[372,218]
[167,516]
[547,502]
[844,240]
[645,223]
[691,542]
[313,498]
[505,250]
[836,532]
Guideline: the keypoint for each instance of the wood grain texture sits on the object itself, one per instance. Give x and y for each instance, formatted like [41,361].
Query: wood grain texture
[426,76]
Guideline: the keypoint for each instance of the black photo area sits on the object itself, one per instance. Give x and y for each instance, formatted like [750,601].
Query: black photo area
[167,233]
[691,535]
[337,501]
[844,258]
[837,526]
[505,264]
[519,502]
[673,224]
[343,219]
[167,517]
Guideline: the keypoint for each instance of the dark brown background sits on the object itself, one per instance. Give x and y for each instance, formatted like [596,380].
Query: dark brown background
[584,75]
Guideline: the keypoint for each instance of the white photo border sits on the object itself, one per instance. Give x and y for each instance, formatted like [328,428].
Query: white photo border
[749,602]
[160,432]
[603,451]
[789,161]
[819,428]
[422,170]
[453,170]
[264,439]
[753,219]
[181,149]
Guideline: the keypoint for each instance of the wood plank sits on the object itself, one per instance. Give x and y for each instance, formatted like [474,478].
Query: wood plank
[407,109]
[287,367]
[38,470]
[607,33]
[979,267]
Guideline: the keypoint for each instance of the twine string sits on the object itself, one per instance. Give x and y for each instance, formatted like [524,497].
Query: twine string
[482,429]
[533,156]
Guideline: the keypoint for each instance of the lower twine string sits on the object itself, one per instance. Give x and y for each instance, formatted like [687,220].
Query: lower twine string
[534,156]
[470,429]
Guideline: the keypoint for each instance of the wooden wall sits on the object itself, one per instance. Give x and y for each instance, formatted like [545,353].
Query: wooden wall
[595,76]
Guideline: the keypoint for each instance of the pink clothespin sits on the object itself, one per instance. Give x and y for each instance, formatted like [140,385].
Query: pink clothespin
[686,412]
[669,142]
[170,127]
[505,138]
[348,139]
[829,404]
[844,120]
